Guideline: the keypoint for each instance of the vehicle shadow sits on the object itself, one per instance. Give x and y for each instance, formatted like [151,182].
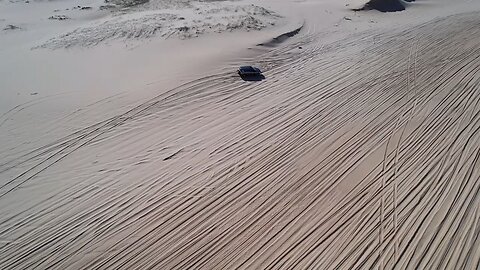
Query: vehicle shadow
[252,78]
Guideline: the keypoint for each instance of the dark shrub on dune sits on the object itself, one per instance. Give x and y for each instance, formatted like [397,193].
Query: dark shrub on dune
[385,5]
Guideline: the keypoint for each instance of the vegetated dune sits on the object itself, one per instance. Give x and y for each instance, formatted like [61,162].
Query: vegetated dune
[359,154]
[139,20]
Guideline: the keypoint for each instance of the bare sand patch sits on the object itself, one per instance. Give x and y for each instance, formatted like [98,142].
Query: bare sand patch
[359,150]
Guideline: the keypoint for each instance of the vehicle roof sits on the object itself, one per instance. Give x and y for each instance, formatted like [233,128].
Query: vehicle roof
[248,68]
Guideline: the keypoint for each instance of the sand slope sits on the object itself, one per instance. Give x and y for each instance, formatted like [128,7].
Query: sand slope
[357,154]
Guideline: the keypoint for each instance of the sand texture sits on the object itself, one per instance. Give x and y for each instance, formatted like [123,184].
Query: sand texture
[358,149]
[357,154]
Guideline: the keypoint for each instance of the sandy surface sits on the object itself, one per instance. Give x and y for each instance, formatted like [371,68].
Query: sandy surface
[359,149]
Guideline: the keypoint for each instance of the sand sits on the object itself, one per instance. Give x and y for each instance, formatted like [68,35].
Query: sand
[359,149]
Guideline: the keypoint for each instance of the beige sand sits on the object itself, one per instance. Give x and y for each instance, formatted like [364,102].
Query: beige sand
[358,151]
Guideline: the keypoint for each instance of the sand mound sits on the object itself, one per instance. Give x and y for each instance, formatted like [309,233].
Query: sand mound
[182,21]
[385,5]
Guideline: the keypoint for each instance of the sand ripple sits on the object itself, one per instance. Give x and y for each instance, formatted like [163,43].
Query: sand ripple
[359,154]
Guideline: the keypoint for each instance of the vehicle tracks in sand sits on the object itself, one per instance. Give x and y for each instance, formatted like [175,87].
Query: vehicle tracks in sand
[358,154]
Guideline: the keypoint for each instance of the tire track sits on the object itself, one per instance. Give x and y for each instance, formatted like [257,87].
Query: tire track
[286,173]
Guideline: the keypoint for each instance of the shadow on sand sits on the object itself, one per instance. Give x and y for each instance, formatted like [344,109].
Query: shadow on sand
[281,38]
[253,78]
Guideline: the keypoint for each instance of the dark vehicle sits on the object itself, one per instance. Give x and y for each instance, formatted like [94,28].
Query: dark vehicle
[249,71]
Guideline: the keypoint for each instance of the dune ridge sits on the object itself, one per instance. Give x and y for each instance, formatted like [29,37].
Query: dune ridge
[281,38]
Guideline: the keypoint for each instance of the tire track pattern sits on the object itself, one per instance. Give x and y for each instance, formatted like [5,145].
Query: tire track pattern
[303,170]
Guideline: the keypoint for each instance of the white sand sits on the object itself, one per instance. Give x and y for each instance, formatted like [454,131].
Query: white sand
[357,151]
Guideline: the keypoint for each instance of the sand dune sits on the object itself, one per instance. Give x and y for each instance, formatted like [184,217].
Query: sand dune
[66,24]
[142,23]
[357,154]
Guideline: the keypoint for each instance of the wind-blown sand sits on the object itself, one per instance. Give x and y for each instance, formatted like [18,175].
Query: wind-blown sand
[358,151]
